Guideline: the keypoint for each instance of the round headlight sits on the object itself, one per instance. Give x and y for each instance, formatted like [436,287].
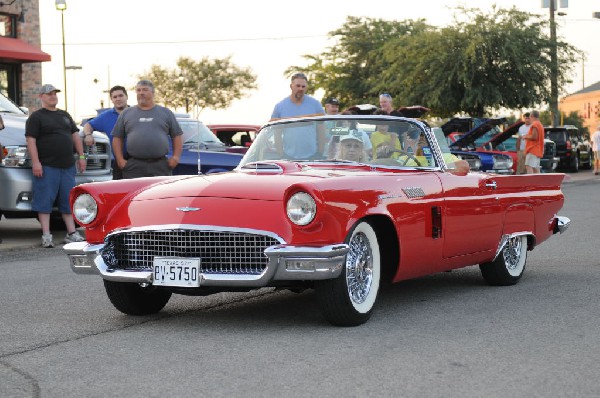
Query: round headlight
[301,208]
[85,209]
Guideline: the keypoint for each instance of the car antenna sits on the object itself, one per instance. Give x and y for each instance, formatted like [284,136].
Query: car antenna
[199,164]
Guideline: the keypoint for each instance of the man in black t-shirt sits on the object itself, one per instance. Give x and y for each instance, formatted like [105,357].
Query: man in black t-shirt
[52,137]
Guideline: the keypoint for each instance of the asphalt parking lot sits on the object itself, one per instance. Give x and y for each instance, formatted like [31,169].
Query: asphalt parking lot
[25,233]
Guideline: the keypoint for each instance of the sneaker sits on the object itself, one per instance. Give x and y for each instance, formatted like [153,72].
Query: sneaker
[47,240]
[74,237]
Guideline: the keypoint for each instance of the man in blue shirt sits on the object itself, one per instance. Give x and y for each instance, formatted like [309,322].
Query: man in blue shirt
[296,105]
[105,122]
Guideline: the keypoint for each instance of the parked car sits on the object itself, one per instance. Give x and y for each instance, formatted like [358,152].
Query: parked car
[202,150]
[237,137]
[15,168]
[466,134]
[506,141]
[573,149]
[291,216]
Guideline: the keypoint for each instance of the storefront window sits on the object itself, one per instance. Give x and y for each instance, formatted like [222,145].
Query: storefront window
[8,26]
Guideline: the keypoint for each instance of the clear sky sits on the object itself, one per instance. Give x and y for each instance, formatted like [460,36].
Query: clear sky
[115,40]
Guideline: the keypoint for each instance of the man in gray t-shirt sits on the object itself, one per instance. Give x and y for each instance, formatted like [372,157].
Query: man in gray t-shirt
[147,127]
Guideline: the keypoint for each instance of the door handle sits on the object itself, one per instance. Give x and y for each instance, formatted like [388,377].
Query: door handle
[491,185]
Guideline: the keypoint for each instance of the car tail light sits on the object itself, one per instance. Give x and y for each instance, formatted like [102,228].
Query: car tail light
[568,145]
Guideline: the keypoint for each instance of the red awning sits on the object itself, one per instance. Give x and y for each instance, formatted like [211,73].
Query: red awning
[17,50]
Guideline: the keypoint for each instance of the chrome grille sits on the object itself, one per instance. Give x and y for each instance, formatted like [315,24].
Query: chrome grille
[221,252]
[97,158]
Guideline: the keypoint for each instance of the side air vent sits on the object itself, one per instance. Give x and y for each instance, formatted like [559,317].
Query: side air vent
[413,192]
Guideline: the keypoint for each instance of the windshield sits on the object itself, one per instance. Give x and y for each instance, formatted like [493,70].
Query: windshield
[556,135]
[510,144]
[194,130]
[383,140]
[7,106]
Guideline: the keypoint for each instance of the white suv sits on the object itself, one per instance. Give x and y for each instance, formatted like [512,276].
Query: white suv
[15,166]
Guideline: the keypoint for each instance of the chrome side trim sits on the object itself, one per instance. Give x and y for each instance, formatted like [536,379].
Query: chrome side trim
[506,237]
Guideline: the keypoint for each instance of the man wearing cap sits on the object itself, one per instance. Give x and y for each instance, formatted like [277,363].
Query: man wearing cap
[332,106]
[52,139]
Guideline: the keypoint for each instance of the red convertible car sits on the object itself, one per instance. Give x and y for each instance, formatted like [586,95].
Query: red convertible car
[306,210]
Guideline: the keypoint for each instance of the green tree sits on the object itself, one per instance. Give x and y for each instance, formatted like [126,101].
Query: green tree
[352,69]
[481,63]
[196,85]
[573,118]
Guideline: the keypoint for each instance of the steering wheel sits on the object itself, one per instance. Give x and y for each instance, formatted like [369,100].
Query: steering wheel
[408,156]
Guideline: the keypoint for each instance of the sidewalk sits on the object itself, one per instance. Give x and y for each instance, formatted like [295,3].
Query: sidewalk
[25,233]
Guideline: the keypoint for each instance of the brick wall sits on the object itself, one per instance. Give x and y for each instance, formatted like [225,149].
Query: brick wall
[587,105]
[29,31]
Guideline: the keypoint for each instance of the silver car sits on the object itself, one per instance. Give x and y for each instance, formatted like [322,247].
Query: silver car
[15,166]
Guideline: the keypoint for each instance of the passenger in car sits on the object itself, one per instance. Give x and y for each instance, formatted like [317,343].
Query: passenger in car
[352,147]
[384,142]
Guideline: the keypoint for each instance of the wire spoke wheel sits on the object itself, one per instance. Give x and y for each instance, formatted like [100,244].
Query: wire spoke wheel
[349,299]
[359,268]
[508,267]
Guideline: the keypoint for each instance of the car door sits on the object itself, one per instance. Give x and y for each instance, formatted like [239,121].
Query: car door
[471,214]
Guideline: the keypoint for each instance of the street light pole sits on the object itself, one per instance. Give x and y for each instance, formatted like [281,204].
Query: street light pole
[553,67]
[61,5]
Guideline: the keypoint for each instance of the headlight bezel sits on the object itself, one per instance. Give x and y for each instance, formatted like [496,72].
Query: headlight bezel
[85,209]
[502,162]
[301,208]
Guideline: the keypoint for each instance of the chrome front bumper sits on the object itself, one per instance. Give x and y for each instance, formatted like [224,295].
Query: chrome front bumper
[284,263]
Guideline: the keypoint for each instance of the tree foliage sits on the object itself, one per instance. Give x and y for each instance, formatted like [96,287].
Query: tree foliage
[196,85]
[352,69]
[573,118]
[482,62]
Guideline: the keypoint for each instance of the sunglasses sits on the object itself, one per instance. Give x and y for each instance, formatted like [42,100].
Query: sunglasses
[386,95]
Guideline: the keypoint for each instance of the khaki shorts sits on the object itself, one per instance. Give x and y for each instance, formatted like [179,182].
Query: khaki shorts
[521,162]
[532,161]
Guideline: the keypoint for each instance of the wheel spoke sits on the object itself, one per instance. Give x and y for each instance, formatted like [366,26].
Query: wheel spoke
[512,252]
[359,268]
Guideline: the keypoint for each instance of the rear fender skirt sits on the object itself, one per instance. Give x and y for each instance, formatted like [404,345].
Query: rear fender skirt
[505,238]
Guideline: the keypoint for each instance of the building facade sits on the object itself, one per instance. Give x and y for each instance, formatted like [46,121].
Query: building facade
[586,102]
[20,53]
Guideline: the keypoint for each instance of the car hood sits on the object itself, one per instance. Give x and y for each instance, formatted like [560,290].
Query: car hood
[14,127]
[504,135]
[253,184]
[469,138]
[415,111]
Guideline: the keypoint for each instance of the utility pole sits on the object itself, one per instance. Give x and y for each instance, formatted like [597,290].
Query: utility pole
[553,67]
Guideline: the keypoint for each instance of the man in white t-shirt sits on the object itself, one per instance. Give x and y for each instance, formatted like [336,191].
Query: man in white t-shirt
[523,130]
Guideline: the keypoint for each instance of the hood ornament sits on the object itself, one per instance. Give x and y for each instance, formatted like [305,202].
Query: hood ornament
[187,209]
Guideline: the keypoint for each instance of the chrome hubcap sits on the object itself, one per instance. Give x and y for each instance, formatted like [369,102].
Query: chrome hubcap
[359,268]
[512,252]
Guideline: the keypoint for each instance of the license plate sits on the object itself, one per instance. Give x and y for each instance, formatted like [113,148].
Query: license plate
[178,272]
